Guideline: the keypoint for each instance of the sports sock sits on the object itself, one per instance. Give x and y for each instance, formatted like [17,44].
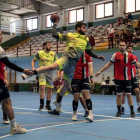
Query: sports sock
[48,103]
[13,122]
[4,116]
[42,102]
[89,104]
[59,99]
[132,108]
[119,108]
[74,105]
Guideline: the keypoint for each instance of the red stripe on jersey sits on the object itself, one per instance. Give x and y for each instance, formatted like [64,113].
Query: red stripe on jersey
[133,69]
[122,67]
[2,66]
[81,70]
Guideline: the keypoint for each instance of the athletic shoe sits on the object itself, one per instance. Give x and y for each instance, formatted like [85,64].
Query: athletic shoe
[48,108]
[17,130]
[86,114]
[6,121]
[58,106]
[54,112]
[118,114]
[74,117]
[89,118]
[122,110]
[41,107]
[132,114]
[138,109]
[24,76]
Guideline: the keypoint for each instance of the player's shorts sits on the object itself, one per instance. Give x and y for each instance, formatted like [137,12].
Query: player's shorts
[123,86]
[80,84]
[135,83]
[46,79]
[4,93]
[68,65]
[67,92]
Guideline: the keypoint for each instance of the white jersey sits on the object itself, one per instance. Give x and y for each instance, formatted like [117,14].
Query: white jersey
[2,53]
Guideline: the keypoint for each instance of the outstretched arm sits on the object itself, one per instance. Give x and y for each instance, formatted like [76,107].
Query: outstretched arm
[90,53]
[109,64]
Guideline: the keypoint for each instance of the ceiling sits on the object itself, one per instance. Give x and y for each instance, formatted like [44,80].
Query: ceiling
[28,7]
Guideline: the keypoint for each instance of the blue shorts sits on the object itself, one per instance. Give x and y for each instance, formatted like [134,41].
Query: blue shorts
[4,93]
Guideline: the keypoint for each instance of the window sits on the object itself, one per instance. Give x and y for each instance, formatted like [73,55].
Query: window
[32,24]
[104,10]
[48,21]
[13,27]
[76,15]
[132,6]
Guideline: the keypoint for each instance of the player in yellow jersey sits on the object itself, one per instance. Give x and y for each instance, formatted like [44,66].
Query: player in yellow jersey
[45,58]
[76,44]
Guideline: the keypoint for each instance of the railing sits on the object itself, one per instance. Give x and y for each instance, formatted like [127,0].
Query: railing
[20,30]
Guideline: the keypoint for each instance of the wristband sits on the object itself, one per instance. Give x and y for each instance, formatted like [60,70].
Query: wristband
[35,72]
[91,76]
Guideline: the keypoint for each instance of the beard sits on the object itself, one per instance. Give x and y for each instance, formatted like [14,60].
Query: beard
[81,32]
[48,49]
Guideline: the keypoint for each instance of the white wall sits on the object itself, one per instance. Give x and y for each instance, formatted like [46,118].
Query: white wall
[7,37]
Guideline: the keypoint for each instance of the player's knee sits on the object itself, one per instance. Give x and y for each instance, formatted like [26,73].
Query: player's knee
[129,95]
[6,102]
[42,88]
[137,91]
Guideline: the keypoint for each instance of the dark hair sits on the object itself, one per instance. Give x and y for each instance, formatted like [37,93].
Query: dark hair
[122,30]
[112,25]
[79,24]
[129,46]
[123,41]
[45,43]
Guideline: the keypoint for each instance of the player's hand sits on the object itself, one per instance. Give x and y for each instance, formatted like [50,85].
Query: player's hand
[139,75]
[28,72]
[91,81]
[101,57]
[97,74]
[6,83]
[56,22]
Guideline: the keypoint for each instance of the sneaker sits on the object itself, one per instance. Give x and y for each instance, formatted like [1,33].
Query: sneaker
[58,106]
[86,114]
[138,109]
[17,130]
[54,112]
[89,118]
[41,107]
[74,117]
[133,114]
[122,110]
[118,114]
[48,108]
[6,121]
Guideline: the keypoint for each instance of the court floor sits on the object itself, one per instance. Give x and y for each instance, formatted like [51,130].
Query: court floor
[41,125]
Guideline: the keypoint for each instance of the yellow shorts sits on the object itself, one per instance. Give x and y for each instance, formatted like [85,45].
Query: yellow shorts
[68,65]
[43,80]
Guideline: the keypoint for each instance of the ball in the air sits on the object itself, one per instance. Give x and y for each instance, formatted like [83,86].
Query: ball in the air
[54,18]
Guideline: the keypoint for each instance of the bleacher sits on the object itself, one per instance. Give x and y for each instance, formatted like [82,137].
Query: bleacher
[34,44]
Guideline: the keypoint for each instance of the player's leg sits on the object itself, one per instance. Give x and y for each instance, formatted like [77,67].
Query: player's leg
[49,97]
[86,95]
[75,85]
[42,86]
[135,86]
[7,108]
[127,90]
[123,103]
[119,91]
[63,89]
[83,102]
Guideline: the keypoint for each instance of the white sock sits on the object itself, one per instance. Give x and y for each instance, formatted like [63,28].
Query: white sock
[138,104]
[90,112]
[122,105]
[13,122]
